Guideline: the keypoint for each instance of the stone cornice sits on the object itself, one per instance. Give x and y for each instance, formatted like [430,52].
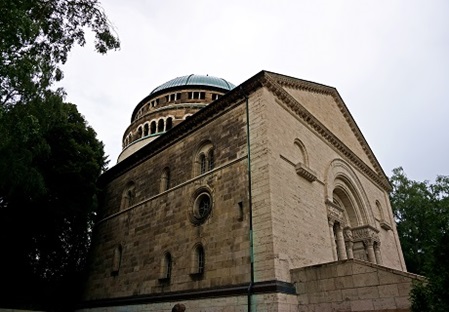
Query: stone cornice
[225,103]
[235,97]
[274,83]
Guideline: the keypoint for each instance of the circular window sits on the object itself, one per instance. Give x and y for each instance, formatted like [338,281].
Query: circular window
[202,207]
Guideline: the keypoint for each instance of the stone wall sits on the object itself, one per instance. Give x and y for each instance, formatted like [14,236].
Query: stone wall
[352,285]
[299,216]
[158,221]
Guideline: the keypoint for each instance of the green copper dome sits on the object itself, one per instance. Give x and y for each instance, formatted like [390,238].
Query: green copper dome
[195,80]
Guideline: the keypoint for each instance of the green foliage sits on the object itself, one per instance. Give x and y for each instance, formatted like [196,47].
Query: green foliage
[49,163]
[420,297]
[36,37]
[49,157]
[421,211]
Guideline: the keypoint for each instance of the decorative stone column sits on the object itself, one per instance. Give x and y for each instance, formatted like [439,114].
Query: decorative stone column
[341,247]
[349,243]
[369,244]
[377,253]
[335,217]
[331,232]
[369,236]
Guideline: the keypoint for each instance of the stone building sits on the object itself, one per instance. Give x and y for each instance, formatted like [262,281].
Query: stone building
[260,197]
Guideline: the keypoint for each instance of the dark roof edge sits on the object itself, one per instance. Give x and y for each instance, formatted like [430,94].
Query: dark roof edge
[184,128]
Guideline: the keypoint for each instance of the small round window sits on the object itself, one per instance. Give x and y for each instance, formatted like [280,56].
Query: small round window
[202,207]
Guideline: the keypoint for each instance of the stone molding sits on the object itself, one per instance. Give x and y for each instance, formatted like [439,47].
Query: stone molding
[274,82]
[305,172]
[236,97]
[273,286]
[385,225]
[198,181]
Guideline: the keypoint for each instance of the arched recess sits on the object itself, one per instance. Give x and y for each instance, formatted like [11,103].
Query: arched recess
[161,125]
[303,156]
[347,198]
[340,176]
[166,267]
[204,158]
[198,260]
[379,215]
[168,123]
[352,224]
[165,179]
[302,162]
[139,132]
[128,196]
[153,127]
[116,260]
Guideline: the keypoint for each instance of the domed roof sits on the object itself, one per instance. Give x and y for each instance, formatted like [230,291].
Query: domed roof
[195,80]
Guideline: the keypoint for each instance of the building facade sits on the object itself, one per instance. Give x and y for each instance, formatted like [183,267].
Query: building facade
[260,197]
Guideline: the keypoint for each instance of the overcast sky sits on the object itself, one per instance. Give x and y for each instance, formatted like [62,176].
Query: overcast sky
[389,60]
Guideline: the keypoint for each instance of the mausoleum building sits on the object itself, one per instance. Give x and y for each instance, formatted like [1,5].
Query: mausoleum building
[258,197]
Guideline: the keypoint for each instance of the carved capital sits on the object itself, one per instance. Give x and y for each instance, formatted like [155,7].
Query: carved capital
[334,213]
[365,233]
[348,234]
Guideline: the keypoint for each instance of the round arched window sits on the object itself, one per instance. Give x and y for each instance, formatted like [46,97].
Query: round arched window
[202,207]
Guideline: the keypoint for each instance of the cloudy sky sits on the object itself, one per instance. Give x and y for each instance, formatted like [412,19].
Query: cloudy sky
[389,60]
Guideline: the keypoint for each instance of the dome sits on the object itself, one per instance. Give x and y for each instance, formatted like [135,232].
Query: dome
[167,106]
[195,80]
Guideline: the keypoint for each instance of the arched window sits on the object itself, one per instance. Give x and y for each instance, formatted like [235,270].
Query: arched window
[145,129]
[168,124]
[203,163]
[139,132]
[205,159]
[160,125]
[128,196]
[211,159]
[165,179]
[116,260]
[379,215]
[166,267]
[198,260]
[153,127]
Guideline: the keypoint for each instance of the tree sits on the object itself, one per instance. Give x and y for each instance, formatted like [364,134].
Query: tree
[47,200]
[36,37]
[50,158]
[421,210]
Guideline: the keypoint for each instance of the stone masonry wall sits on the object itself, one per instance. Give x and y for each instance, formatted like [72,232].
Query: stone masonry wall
[261,188]
[352,286]
[158,222]
[298,206]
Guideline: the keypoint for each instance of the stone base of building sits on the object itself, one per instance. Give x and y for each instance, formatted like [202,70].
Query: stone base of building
[352,285]
[348,285]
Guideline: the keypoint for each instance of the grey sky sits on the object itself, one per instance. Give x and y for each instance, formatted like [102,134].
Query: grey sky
[389,60]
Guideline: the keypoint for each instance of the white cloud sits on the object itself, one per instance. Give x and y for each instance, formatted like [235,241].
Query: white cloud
[388,59]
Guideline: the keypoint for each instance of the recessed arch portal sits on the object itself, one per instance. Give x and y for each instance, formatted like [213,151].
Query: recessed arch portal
[352,226]
[343,181]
